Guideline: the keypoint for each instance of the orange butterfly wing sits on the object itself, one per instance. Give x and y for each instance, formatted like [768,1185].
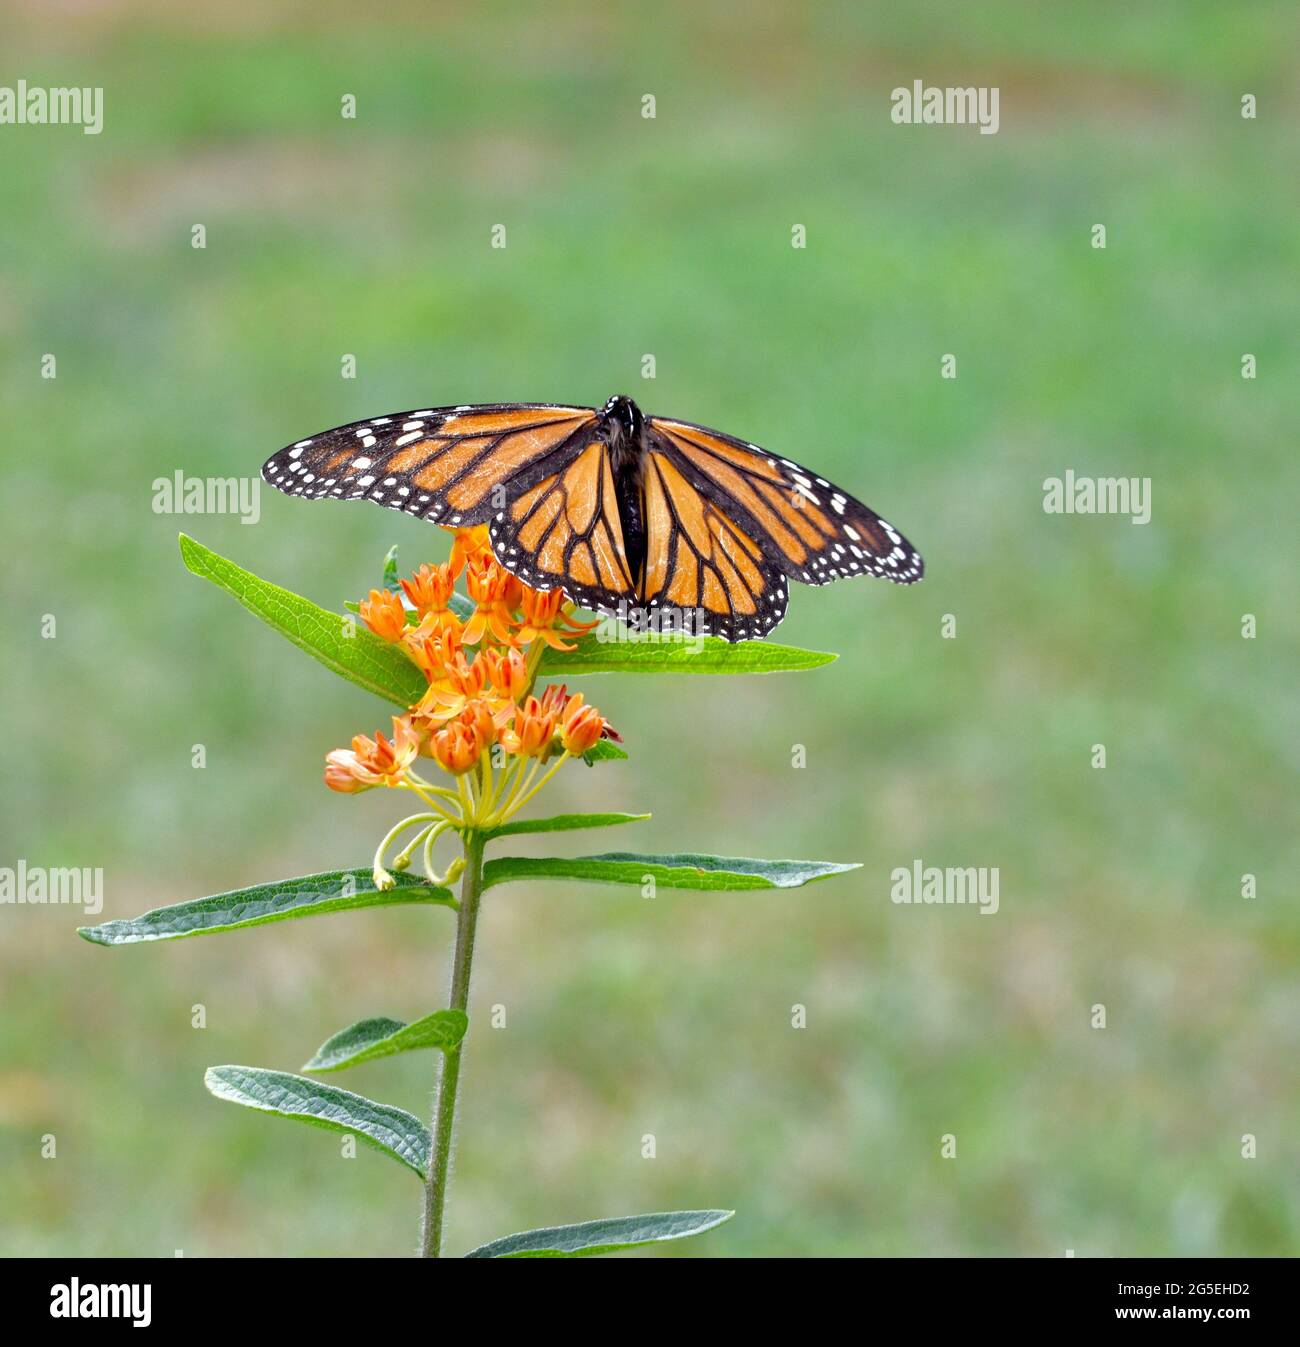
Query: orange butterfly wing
[722,522]
[700,561]
[806,526]
[702,572]
[441,463]
[564,532]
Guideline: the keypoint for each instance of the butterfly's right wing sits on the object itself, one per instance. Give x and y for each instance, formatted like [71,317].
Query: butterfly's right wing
[810,529]
[441,463]
[700,561]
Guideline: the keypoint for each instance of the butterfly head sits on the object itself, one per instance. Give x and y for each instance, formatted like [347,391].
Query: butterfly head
[623,421]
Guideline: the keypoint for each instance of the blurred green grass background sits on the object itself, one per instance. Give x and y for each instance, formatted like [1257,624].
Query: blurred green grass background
[671,236]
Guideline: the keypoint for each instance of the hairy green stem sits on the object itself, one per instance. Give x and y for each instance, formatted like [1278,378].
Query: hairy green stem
[444,1109]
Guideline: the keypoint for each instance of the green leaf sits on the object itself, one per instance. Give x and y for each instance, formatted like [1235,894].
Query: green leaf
[391,582]
[604,750]
[650,654]
[368,1039]
[685,871]
[333,891]
[563,823]
[607,1236]
[388,1129]
[360,657]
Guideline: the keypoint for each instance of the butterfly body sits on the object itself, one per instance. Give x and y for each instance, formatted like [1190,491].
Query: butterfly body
[659,522]
[624,427]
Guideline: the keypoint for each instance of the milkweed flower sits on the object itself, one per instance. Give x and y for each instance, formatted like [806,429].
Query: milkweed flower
[532,730]
[507,673]
[479,698]
[430,589]
[373,762]
[435,644]
[459,683]
[581,726]
[383,613]
[496,594]
[471,544]
[456,747]
[478,717]
[543,613]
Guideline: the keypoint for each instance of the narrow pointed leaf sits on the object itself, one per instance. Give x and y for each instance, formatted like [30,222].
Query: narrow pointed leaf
[368,1039]
[309,896]
[346,647]
[651,654]
[386,1128]
[391,582]
[685,871]
[564,823]
[607,1236]
[604,751]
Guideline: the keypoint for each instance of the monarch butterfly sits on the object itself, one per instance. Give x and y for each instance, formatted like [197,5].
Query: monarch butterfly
[640,517]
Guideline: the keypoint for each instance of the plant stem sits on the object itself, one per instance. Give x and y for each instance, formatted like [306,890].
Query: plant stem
[444,1109]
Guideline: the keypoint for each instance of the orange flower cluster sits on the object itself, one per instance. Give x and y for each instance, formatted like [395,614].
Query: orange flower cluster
[480,667]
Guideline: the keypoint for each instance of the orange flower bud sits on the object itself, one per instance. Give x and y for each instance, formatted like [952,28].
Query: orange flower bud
[532,731]
[458,683]
[544,618]
[456,748]
[373,762]
[496,594]
[542,606]
[507,672]
[477,716]
[383,613]
[554,699]
[429,589]
[470,544]
[581,726]
[340,772]
[466,679]
[434,644]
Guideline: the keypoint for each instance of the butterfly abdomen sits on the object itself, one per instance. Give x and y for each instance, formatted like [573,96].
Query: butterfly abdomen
[629,488]
[622,426]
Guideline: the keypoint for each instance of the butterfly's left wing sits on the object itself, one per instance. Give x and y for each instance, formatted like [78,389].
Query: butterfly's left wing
[441,463]
[805,525]
[564,532]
